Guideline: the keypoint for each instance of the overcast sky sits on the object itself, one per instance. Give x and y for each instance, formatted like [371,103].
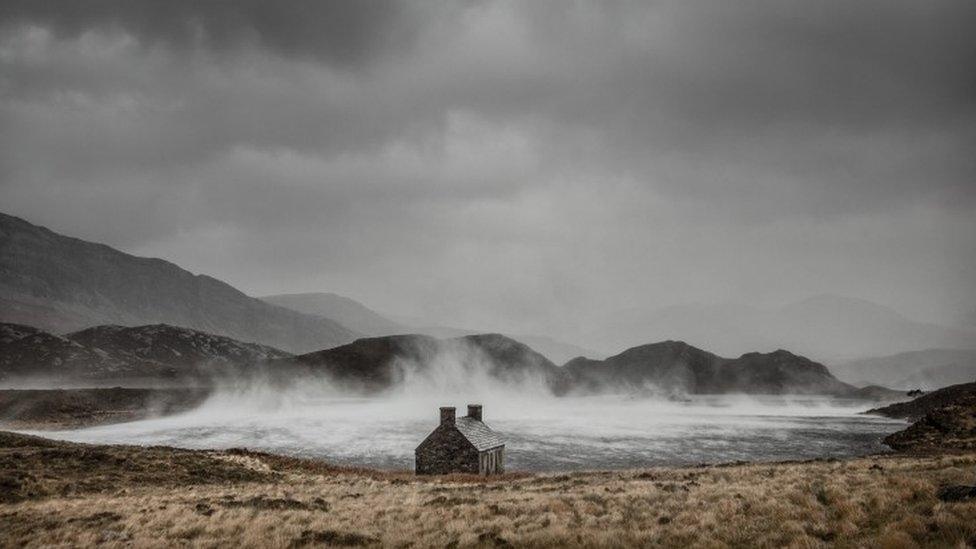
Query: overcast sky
[508,165]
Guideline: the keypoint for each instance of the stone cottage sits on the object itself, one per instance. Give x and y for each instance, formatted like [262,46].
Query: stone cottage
[461,445]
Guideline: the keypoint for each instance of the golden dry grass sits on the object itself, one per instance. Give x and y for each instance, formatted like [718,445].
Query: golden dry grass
[871,502]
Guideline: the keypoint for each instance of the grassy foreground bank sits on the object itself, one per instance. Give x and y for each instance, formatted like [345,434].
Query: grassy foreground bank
[55,493]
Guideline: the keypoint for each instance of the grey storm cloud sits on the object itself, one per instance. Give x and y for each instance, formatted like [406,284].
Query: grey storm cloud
[334,32]
[508,161]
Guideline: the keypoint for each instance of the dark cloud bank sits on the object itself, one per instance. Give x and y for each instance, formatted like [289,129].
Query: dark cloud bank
[521,166]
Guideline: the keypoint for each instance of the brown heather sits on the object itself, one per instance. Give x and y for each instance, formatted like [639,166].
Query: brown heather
[163,497]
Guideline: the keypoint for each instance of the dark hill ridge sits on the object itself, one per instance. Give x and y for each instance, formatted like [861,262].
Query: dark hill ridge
[118,354]
[675,366]
[62,284]
[378,363]
[178,347]
[778,372]
[827,327]
[44,356]
[667,366]
[670,367]
[367,363]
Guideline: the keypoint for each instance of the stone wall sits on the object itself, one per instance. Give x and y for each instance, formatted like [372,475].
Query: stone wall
[446,451]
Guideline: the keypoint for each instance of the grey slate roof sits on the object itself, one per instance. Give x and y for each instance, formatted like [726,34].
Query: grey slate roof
[478,434]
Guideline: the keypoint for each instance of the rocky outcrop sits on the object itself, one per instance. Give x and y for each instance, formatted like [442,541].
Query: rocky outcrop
[949,428]
[924,404]
[949,422]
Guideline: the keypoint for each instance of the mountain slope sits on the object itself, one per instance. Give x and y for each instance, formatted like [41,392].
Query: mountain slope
[41,356]
[177,347]
[927,370]
[61,284]
[829,328]
[116,354]
[10,333]
[345,311]
[676,367]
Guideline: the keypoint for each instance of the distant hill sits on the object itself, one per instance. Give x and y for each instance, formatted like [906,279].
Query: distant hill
[927,370]
[62,284]
[362,319]
[555,350]
[676,367]
[155,353]
[344,310]
[374,364]
[666,368]
[828,327]
[117,355]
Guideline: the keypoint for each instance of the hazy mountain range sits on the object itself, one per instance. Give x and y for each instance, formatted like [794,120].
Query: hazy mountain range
[348,312]
[828,328]
[926,370]
[154,354]
[669,368]
[63,284]
[362,319]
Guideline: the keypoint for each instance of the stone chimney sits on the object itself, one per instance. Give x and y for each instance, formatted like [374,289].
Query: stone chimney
[474,411]
[447,415]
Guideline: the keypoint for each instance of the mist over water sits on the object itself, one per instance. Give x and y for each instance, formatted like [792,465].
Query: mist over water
[543,432]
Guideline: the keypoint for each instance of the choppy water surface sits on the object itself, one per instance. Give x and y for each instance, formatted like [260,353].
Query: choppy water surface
[542,434]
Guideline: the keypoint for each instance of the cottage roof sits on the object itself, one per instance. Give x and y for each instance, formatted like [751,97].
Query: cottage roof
[478,434]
